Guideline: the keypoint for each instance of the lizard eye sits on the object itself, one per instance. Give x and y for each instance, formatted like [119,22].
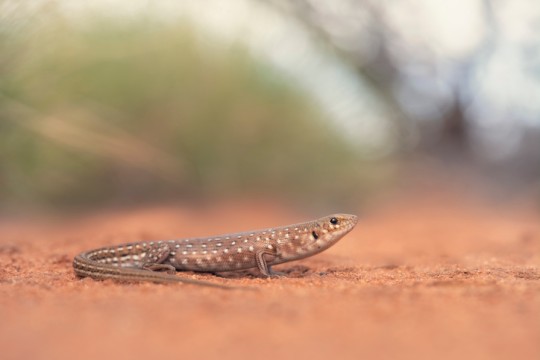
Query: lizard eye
[334,221]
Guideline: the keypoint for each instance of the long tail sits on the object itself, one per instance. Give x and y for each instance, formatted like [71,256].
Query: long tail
[85,267]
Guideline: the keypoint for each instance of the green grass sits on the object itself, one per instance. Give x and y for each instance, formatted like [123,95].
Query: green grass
[112,113]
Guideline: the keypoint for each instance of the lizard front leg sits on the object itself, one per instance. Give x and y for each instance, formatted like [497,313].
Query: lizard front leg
[262,263]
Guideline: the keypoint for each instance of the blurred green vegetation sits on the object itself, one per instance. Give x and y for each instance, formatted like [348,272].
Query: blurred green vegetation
[114,112]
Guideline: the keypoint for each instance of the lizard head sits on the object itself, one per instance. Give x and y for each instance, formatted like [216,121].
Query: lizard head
[319,235]
[328,230]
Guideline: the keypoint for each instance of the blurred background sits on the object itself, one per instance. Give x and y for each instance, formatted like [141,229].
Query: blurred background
[326,106]
[134,120]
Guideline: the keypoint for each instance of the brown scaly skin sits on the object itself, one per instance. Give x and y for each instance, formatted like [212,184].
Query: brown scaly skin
[252,249]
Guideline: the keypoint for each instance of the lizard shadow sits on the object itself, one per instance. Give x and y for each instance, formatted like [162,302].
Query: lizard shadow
[296,271]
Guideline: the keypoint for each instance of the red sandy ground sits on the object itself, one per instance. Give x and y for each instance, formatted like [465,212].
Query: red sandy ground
[435,278]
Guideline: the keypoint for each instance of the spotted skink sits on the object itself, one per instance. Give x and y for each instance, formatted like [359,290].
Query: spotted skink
[144,261]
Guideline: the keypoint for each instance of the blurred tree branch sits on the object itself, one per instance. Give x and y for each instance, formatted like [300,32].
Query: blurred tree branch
[344,31]
[378,72]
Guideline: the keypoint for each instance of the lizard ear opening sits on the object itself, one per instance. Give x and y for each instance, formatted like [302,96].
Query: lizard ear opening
[315,235]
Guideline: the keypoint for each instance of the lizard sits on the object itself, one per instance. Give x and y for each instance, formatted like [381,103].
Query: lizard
[146,260]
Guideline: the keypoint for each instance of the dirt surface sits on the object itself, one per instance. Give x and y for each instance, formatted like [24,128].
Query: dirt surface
[439,277]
